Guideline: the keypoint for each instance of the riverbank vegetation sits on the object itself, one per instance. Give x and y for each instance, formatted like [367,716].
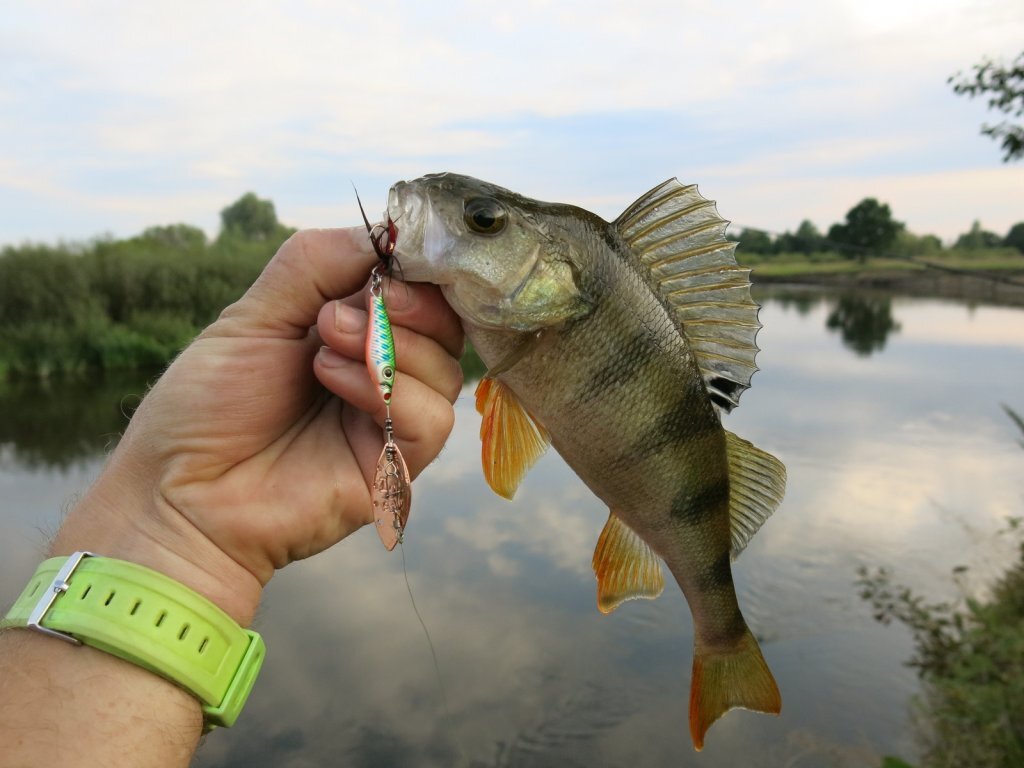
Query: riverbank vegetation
[132,303]
[969,654]
[112,304]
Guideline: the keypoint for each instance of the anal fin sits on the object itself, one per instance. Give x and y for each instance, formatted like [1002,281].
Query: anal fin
[625,566]
[512,439]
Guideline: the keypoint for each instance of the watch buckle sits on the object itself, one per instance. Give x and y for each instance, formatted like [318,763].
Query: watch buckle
[55,589]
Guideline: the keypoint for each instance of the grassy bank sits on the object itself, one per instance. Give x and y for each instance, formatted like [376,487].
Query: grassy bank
[783,266]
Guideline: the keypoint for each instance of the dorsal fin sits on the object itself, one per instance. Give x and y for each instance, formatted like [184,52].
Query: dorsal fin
[678,236]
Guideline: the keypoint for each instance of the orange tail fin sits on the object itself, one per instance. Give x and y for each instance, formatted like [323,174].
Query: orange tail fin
[723,681]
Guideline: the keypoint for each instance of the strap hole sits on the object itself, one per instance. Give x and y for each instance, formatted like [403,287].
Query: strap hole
[135,607]
[202,645]
[184,631]
[160,618]
[85,592]
[109,598]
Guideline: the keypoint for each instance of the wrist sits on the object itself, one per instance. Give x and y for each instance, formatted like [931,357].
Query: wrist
[115,520]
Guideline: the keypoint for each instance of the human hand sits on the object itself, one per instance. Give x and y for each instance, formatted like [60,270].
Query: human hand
[241,459]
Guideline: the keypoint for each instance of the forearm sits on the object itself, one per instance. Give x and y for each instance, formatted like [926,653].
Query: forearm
[76,705]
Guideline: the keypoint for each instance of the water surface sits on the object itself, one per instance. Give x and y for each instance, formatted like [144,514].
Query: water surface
[887,414]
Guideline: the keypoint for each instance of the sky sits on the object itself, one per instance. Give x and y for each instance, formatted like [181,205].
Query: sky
[116,116]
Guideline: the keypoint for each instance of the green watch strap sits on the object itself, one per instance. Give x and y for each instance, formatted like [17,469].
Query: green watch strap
[144,617]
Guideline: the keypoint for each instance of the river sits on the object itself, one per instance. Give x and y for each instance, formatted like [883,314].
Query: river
[888,414]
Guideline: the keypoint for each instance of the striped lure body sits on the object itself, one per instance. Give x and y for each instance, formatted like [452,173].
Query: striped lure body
[380,348]
[620,342]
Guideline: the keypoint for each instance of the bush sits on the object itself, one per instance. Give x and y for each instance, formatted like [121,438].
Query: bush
[970,655]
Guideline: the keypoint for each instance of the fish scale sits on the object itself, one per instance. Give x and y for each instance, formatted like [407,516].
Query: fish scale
[620,342]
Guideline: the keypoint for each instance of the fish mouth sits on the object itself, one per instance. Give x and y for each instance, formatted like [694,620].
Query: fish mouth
[396,208]
[411,216]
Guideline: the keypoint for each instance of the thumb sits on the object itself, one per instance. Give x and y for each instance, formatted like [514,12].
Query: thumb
[312,267]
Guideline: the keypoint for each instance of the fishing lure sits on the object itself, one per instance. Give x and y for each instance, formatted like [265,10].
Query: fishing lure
[392,488]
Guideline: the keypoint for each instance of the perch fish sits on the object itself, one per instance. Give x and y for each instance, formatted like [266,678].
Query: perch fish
[620,343]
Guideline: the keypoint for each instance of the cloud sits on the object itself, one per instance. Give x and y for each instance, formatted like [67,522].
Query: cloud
[590,101]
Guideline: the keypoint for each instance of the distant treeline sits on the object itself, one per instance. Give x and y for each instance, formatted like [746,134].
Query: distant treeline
[870,230]
[112,304]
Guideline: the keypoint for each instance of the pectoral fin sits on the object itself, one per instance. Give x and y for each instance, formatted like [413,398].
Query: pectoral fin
[512,440]
[625,566]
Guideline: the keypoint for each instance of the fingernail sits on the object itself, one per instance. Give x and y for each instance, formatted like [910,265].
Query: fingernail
[331,359]
[348,319]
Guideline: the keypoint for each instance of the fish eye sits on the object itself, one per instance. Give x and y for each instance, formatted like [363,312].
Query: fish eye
[485,215]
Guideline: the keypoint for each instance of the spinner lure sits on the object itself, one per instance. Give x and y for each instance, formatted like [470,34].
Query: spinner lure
[392,488]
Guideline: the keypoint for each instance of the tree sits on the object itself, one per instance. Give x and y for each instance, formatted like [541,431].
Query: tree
[250,218]
[1015,237]
[909,244]
[869,228]
[978,238]
[807,238]
[179,236]
[1004,86]
[755,241]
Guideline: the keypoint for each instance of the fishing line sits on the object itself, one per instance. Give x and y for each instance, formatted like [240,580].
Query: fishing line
[433,655]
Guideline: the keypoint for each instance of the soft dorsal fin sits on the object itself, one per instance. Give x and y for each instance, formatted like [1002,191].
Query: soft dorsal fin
[512,440]
[757,483]
[678,236]
[625,566]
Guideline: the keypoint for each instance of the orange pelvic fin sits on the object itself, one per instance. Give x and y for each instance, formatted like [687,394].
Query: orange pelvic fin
[512,440]
[724,681]
[625,566]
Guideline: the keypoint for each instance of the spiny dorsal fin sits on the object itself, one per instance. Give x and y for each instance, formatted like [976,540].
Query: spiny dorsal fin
[679,237]
[625,566]
[757,483]
[512,440]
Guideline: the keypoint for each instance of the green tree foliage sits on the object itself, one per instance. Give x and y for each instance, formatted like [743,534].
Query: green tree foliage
[978,238]
[183,236]
[869,229]
[909,244]
[1004,86]
[114,304]
[1015,237]
[755,241]
[250,218]
[807,238]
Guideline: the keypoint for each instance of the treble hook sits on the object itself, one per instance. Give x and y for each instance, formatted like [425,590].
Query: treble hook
[382,236]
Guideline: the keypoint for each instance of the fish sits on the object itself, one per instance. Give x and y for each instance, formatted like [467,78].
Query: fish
[621,344]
